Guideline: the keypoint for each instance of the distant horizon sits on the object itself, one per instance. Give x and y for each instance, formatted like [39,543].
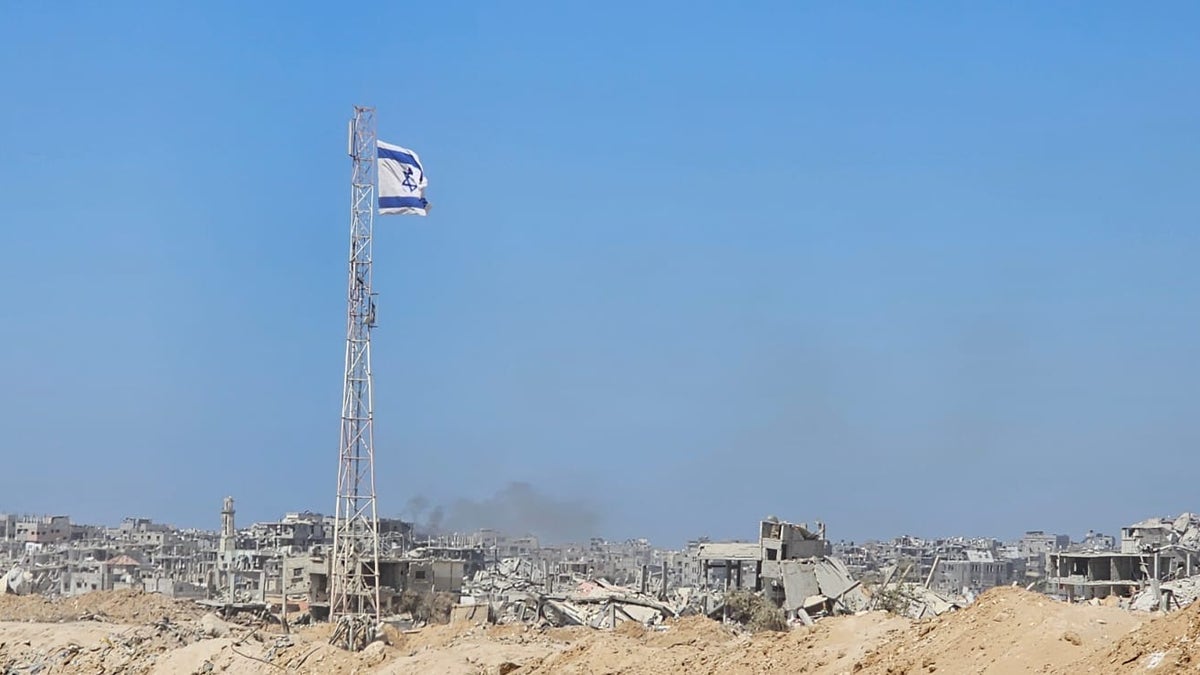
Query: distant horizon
[675,545]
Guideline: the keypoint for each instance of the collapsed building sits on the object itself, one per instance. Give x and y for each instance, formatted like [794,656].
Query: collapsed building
[790,565]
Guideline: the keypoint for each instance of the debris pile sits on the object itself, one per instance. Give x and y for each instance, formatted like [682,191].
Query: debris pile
[1183,532]
[789,568]
[512,586]
[515,591]
[355,631]
[914,601]
[815,587]
[1175,594]
[28,580]
[599,604]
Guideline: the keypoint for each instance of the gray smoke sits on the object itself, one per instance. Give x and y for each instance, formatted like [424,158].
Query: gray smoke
[415,509]
[516,509]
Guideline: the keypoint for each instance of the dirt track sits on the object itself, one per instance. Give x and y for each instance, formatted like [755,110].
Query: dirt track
[1006,631]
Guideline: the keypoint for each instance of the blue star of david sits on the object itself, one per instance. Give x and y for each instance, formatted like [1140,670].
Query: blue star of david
[408,181]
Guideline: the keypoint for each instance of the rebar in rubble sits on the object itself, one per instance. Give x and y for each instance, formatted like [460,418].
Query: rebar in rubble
[354,632]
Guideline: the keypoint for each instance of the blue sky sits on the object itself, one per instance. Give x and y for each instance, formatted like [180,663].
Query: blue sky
[925,269]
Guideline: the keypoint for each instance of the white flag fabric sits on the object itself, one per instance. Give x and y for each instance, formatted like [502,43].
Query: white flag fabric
[401,181]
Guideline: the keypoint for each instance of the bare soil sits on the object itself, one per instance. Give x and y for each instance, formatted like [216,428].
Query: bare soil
[1006,631]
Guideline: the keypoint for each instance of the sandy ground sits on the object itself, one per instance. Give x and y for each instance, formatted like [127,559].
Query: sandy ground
[1164,644]
[1006,631]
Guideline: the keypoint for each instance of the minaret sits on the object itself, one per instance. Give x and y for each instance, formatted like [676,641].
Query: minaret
[228,532]
[227,546]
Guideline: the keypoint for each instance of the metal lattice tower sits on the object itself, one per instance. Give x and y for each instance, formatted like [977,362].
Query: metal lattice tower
[354,571]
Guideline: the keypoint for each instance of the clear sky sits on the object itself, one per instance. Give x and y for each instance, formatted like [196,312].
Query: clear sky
[905,268]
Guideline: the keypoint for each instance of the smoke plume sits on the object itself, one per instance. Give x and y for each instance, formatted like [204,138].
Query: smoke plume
[516,509]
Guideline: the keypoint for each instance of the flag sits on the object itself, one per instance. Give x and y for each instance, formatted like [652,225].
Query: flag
[401,181]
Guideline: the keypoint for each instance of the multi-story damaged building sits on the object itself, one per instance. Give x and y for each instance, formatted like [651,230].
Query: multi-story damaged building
[976,571]
[1151,551]
[957,566]
[1095,541]
[294,533]
[143,532]
[1038,543]
[790,564]
[1033,549]
[35,529]
[745,564]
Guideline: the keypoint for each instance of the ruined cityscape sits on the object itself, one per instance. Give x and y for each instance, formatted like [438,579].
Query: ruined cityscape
[271,580]
[281,568]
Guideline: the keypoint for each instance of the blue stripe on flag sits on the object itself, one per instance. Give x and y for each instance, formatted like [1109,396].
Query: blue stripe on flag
[398,202]
[404,157]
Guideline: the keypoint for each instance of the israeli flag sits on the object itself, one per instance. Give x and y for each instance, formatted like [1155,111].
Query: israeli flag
[401,182]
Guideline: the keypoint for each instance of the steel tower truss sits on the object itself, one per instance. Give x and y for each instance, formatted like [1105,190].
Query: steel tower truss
[354,569]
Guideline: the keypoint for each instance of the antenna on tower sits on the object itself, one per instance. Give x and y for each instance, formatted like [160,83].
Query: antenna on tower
[354,566]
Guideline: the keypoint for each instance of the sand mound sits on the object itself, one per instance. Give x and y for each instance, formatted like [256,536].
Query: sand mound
[116,606]
[833,645]
[699,645]
[690,630]
[1006,630]
[1166,644]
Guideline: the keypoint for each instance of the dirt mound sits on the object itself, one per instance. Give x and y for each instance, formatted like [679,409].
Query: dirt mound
[1006,630]
[1166,644]
[833,645]
[92,646]
[689,630]
[116,606]
[700,645]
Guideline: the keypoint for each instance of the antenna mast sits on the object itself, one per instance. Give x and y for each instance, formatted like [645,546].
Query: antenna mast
[354,572]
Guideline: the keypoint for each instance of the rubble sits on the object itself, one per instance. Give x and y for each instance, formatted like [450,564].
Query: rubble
[543,608]
[914,601]
[513,592]
[1175,594]
[788,565]
[354,632]
[486,577]
[250,575]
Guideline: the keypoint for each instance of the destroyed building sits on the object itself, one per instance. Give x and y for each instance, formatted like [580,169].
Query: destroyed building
[790,564]
[35,529]
[1033,550]
[974,572]
[1095,541]
[295,532]
[1151,551]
